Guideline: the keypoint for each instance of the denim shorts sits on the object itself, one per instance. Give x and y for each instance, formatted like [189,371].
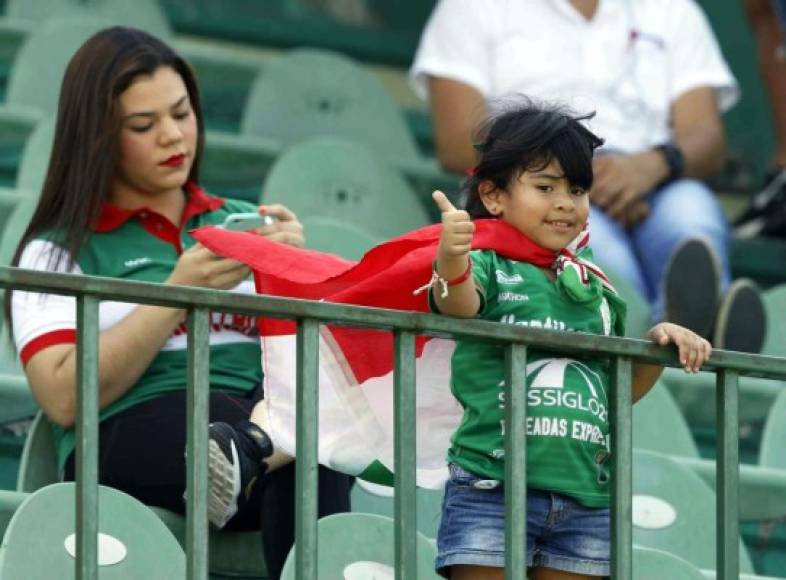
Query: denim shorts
[561,533]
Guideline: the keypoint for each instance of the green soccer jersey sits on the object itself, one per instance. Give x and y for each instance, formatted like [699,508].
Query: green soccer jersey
[567,398]
[144,246]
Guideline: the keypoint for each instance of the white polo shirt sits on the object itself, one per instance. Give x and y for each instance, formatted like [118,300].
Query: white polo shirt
[629,63]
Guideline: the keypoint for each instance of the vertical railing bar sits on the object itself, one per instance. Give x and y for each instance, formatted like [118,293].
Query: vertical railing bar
[87,438]
[197,413]
[515,461]
[405,457]
[728,476]
[622,471]
[307,418]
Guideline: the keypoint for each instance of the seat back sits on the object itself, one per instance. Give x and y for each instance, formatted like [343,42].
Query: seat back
[133,542]
[312,92]
[331,235]
[656,565]
[658,425]
[339,179]
[773,438]
[40,64]
[361,546]
[371,498]
[38,465]
[775,306]
[144,14]
[34,161]
[674,511]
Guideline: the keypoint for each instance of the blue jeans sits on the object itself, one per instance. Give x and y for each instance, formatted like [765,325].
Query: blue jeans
[682,209]
[561,533]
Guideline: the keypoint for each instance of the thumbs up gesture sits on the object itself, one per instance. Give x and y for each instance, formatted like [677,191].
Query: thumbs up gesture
[457,228]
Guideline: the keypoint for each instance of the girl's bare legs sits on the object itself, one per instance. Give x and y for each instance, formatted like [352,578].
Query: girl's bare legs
[488,573]
[476,573]
[551,574]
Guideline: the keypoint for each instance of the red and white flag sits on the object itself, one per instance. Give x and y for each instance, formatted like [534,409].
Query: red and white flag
[356,365]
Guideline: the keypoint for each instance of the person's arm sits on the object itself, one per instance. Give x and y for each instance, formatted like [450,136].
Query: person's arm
[623,181]
[456,110]
[453,261]
[693,352]
[128,348]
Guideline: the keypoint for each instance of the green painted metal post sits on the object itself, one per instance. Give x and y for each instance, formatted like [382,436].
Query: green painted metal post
[515,461]
[87,438]
[405,459]
[307,418]
[622,480]
[197,405]
[728,476]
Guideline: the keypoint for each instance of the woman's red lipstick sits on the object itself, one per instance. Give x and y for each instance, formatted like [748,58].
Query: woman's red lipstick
[175,160]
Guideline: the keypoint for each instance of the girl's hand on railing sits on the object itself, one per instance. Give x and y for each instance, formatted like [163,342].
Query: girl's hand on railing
[286,228]
[693,349]
[198,266]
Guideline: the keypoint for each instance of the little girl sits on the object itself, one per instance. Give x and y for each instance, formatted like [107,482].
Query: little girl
[534,174]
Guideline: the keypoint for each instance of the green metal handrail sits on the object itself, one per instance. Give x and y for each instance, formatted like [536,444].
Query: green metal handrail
[309,314]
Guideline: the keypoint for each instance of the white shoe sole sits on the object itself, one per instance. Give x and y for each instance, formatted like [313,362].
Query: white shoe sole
[223,484]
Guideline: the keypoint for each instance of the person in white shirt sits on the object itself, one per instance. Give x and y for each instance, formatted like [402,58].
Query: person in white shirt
[654,75]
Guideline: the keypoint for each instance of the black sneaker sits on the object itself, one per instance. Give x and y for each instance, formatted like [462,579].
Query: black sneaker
[766,215]
[235,463]
[691,285]
[742,320]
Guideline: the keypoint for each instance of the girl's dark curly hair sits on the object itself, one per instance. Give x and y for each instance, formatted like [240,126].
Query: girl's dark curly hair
[527,136]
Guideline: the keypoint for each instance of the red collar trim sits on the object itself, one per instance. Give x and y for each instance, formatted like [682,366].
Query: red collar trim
[197,202]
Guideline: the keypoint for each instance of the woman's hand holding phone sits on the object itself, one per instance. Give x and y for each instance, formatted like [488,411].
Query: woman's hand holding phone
[276,222]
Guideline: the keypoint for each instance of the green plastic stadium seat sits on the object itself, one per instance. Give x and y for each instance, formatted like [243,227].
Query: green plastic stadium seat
[651,564]
[775,306]
[34,83]
[356,546]
[133,542]
[8,200]
[35,158]
[343,180]
[230,553]
[236,165]
[12,34]
[316,92]
[331,235]
[658,425]
[773,442]
[9,503]
[38,466]
[674,510]
[41,61]
[144,14]
[225,78]
[371,498]
[692,392]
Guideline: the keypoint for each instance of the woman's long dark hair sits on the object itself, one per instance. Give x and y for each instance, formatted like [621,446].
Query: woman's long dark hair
[526,136]
[85,150]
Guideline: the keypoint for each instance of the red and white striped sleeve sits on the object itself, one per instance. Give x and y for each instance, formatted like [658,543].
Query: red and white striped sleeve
[42,320]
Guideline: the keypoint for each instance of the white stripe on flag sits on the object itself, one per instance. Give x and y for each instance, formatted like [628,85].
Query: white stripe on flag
[356,421]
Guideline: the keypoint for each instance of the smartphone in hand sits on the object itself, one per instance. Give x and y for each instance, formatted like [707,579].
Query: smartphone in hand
[243,222]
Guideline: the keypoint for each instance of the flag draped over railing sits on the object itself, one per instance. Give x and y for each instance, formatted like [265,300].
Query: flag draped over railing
[356,365]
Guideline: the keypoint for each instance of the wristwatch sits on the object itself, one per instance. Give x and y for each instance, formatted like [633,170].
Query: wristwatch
[674,159]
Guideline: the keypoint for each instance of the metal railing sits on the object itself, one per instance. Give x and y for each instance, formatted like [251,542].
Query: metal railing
[405,326]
